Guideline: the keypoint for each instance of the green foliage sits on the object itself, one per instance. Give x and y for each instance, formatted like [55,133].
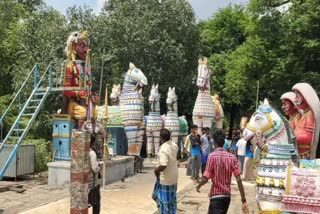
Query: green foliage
[43,153]
[160,38]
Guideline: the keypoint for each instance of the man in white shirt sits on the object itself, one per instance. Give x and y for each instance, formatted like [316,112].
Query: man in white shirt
[167,175]
[241,145]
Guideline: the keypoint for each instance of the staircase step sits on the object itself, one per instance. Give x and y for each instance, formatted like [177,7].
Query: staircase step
[36,100]
[28,114]
[32,107]
[18,130]
[39,93]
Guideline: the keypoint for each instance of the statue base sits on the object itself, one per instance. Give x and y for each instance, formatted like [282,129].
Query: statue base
[116,169]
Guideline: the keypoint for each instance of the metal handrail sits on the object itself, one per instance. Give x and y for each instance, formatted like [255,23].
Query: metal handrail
[19,91]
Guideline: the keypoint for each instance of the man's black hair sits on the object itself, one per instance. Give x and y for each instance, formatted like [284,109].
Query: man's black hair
[194,126]
[219,137]
[165,135]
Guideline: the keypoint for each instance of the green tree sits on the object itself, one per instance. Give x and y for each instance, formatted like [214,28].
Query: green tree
[161,38]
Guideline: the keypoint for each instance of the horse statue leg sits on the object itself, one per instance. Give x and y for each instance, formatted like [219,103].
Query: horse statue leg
[150,144]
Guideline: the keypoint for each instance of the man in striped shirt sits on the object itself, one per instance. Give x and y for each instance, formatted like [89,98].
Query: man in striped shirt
[220,167]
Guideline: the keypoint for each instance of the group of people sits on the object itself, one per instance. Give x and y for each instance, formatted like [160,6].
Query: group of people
[200,149]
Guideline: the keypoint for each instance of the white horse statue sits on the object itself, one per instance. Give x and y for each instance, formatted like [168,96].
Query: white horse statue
[203,111]
[154,123]
[132,110]
[114,111]
[276,149]
[172,120]
[115,95]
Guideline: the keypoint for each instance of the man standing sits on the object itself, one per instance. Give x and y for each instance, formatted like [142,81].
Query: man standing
[248,162]
[241,146]
[205,147]
[94,197]
[220,167]
[167,175]
[193,145]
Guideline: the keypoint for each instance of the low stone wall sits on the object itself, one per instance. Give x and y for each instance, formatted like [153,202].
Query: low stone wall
[117,168]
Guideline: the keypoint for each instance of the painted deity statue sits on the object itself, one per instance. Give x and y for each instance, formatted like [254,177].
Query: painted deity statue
[275,141]
[218,115]
[154,123]
[308,127]
[172,120]
[77,78]
[203,111]
[132,110]
[290,109]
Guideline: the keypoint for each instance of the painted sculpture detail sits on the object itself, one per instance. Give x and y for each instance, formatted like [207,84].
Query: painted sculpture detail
[172,120]
[154,123]
[203,111]
[132,110]
[219,115]
[307,129]
[77,79]
[289,108]
[275,150]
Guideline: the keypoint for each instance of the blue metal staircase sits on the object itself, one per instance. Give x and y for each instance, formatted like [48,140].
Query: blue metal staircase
[26,115]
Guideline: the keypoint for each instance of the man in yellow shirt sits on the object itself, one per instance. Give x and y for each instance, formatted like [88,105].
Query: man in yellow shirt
[167,175]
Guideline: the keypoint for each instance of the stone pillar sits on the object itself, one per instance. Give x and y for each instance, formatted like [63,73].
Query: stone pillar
[79,172]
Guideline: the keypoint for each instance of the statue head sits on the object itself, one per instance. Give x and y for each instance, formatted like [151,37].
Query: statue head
[135,76]
[115,93]
[78,45]
[172,97]
[154,94]
[262,121]
[306,97]
[203,79]
[288,104]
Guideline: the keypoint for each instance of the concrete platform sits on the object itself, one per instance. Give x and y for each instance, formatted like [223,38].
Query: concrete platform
[117,168]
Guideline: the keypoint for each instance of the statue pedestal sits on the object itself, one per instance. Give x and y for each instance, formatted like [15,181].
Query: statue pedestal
[117,168]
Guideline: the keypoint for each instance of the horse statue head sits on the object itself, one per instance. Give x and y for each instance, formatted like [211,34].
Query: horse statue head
[171,99]
[135,77]
[154,97]
[115,94]
[263,122]
[203,79]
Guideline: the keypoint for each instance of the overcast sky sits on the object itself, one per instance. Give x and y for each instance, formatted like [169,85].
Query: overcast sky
[203,8]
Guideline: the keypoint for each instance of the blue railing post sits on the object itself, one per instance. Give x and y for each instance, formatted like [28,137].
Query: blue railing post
[35,76]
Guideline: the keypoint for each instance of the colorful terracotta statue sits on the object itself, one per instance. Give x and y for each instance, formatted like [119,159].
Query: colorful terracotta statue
[290,109]
[114,111]
[154,123]
[172,120]
[243,123]
[115,95]
[218,115]
[77,78]
[308,127]
[275,143]
[132,110]
[203,111]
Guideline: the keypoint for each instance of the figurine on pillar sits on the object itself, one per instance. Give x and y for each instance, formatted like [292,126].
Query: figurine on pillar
[77,79]
[290,109]
[307,129]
